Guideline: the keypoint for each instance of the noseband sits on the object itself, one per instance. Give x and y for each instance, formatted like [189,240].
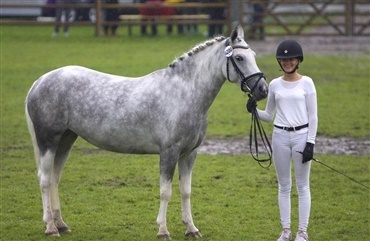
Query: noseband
[244,79]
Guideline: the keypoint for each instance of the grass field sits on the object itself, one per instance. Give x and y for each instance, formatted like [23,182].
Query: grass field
[108,196]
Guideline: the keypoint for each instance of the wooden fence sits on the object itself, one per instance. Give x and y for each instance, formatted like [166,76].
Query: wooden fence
[273,18]
[307,17]
[99,7]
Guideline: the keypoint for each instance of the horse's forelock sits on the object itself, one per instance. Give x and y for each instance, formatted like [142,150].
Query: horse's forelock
[197,49]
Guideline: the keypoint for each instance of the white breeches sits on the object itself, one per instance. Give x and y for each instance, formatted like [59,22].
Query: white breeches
[285,146]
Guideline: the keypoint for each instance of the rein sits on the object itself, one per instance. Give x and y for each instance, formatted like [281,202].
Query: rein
[256,130]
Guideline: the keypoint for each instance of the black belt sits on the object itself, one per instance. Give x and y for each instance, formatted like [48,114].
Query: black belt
[297,128]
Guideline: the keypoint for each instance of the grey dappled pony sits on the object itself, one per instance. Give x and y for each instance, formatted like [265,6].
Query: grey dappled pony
[164,112]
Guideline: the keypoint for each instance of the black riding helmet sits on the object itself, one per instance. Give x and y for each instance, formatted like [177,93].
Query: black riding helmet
[289,49]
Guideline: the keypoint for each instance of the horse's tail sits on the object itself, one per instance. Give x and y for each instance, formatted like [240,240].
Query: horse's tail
[31,129]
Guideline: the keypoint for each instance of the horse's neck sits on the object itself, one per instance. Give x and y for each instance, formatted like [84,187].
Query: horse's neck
[207,76]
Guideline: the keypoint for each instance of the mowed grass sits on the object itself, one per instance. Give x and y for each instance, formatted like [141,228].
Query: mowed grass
[109,196]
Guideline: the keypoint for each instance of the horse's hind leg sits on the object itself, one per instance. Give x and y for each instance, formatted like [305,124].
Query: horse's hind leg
[61,156]
[45,175]
[45,165]
[185,170]
[50,164]
[49,171]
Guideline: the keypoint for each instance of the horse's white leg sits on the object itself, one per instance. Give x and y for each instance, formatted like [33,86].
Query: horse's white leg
[54,195]
[60,158]
[45,166]
[57,215]
[185,171]
[165,195]
[45,175]
[168,161]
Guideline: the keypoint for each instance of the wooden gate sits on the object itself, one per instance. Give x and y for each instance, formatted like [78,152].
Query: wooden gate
[306,17]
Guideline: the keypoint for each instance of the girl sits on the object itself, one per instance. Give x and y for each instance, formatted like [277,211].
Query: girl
[292,101]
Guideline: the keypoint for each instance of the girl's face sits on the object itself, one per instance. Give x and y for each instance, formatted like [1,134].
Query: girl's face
[289,64]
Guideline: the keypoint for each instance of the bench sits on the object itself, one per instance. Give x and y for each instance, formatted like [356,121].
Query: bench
[139,19]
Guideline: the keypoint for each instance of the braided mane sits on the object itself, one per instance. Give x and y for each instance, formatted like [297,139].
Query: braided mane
[196,49]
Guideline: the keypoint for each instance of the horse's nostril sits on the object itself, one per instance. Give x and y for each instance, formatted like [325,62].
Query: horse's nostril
[263,89]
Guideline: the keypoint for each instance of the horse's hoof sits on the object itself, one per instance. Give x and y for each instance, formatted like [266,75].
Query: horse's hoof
[52,234]
[64,230]
[164,236]
[193,234]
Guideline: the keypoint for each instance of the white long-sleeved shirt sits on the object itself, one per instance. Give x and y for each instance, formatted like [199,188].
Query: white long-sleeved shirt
[294,103]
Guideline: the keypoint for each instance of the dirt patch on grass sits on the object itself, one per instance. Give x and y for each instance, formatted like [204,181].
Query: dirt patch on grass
[324,145]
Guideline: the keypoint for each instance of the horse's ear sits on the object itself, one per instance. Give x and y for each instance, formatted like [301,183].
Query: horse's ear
[237,32]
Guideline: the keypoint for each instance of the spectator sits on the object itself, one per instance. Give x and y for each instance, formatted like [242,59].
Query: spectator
[257,20]
[62,16]
[151,14]
[194,11]
[111,16]
[215,14]
[180,27]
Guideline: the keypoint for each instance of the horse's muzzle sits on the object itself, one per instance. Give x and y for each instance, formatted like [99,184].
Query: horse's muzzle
[261,91]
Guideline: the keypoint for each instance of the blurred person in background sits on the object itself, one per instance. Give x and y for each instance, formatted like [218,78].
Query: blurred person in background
[215,14]
[62,16]
[194,11]
[111,15]
[257,29]
[152,12]
[179,11]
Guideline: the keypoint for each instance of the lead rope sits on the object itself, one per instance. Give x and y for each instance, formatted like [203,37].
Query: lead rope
[255,129]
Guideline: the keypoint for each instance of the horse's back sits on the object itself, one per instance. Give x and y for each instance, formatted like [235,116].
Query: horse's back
[79,99]
[77,84]
[73,78]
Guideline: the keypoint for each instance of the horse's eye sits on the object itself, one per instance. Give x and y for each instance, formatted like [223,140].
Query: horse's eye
[239,58]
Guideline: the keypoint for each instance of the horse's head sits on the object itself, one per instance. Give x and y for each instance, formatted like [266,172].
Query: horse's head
[241,67]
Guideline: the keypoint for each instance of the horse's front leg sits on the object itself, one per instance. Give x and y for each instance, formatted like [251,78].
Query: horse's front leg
[168,161]
[185,171]
[165,195]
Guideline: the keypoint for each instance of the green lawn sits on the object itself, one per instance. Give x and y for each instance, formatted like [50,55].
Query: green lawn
[109,196]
